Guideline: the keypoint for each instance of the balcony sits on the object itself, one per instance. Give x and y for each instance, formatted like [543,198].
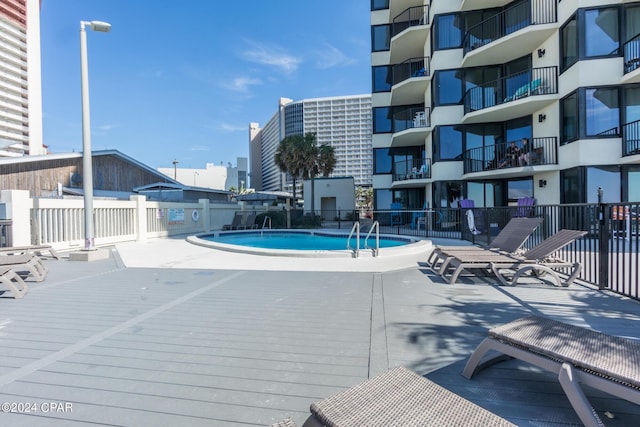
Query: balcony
[631,62]
[410,81]
[411,126]
[631,138]
[411,170]
[410,30]
[525,93]
[543,152]
[510,34]
[482,4]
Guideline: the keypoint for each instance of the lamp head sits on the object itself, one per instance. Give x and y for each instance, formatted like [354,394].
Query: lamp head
[103,27]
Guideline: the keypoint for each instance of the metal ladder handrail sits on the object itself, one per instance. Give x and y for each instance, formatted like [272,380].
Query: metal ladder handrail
[376,250]
[264,222]
[356,229]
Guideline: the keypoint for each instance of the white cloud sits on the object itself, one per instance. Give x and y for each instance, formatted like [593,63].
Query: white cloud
[330,56]
[199,148]
[106,128]
[271,55]
[228,127]
[242,85]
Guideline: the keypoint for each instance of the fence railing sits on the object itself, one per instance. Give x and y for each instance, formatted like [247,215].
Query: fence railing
[609,253]
[412,169]
[411,17]
[509,21]
[536,81]
[631,138]
[542,151]
[413,67]
[631,51]
[412,118]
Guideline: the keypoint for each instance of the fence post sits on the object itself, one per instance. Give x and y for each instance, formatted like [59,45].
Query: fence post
[18,206]
[141,217]
[206,214]
[603,240]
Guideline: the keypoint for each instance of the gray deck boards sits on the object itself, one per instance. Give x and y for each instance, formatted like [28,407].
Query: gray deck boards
[169,346]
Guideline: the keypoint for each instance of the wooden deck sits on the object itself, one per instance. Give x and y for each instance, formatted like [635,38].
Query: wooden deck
[212,347]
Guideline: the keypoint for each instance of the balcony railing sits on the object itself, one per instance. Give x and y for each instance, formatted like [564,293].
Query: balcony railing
[415,117]
[509,21]
[542,151]
[417,15]
[414,67]
[537,81]
[412,169]
[632,54]
[631,138]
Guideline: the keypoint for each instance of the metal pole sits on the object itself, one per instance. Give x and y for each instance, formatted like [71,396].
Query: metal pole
[87,170]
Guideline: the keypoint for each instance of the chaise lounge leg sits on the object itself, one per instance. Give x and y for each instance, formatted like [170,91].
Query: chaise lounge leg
[18,287]
[474,363]
[576,396]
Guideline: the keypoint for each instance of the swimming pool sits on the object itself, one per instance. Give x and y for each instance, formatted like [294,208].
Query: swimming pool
[303,243]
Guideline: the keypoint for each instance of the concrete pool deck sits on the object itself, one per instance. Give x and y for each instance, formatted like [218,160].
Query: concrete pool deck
[168,333]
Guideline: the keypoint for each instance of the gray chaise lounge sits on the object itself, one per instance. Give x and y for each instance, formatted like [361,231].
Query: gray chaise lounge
[398,398]
[577,355]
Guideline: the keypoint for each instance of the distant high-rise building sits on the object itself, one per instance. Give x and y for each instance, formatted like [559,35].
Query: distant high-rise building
[343,122]
[20,82]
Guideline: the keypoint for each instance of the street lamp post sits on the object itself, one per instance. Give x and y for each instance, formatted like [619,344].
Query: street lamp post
[87,170]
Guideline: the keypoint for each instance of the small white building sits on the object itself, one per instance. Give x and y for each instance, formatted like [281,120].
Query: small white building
[216,177]
[334,197]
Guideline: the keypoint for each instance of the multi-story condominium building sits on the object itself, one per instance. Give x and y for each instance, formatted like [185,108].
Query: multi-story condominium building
[20,80]
[343,122]
[493,100]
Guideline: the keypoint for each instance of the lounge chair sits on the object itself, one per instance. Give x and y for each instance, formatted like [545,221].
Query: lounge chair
[578,355]
[13,281]
[399,398]
[40,250]
[250,222]
[537,259]
[509,240]
[30,264]
[524,206]
[235,223]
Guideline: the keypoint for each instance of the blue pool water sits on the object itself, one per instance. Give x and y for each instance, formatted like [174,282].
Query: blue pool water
[297,241]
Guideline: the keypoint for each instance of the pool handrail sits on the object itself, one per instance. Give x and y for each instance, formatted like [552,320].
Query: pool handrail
[375,226]
[264,222]
[356,229]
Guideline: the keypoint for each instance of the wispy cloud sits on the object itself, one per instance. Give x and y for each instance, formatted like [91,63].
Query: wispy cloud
[242,84]
[199,148]
[106,128]
[330,56]
[228,127]
[271,55]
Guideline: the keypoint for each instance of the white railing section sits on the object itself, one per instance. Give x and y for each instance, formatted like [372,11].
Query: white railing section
[375,250]
[354,229]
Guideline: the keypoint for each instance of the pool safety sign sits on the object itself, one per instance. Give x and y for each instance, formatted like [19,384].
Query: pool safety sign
[176,216]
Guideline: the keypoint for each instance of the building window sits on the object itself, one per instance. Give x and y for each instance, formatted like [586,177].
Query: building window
[570,186]
[380,38]
[631,186]
[382,198]
[602,112]
[607,178]
[446,194]
[569,118]
[448,87]
[382,161]
[519,188]
[569,44]
[448,143]
[379,4]
[382,78]
[447,31]
[601,32]
[382,120]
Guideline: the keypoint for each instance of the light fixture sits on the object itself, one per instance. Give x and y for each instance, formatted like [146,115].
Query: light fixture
[542,183]
[542,118]
[87,167]
[541,53]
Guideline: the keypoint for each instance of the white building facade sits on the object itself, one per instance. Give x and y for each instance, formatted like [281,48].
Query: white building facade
[217,177]
[343,122]
[20,79]
[456,82]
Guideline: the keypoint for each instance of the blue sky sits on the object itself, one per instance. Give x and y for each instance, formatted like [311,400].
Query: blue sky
[183,79]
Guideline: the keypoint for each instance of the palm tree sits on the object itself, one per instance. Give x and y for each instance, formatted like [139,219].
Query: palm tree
[300,156]
[287,159]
